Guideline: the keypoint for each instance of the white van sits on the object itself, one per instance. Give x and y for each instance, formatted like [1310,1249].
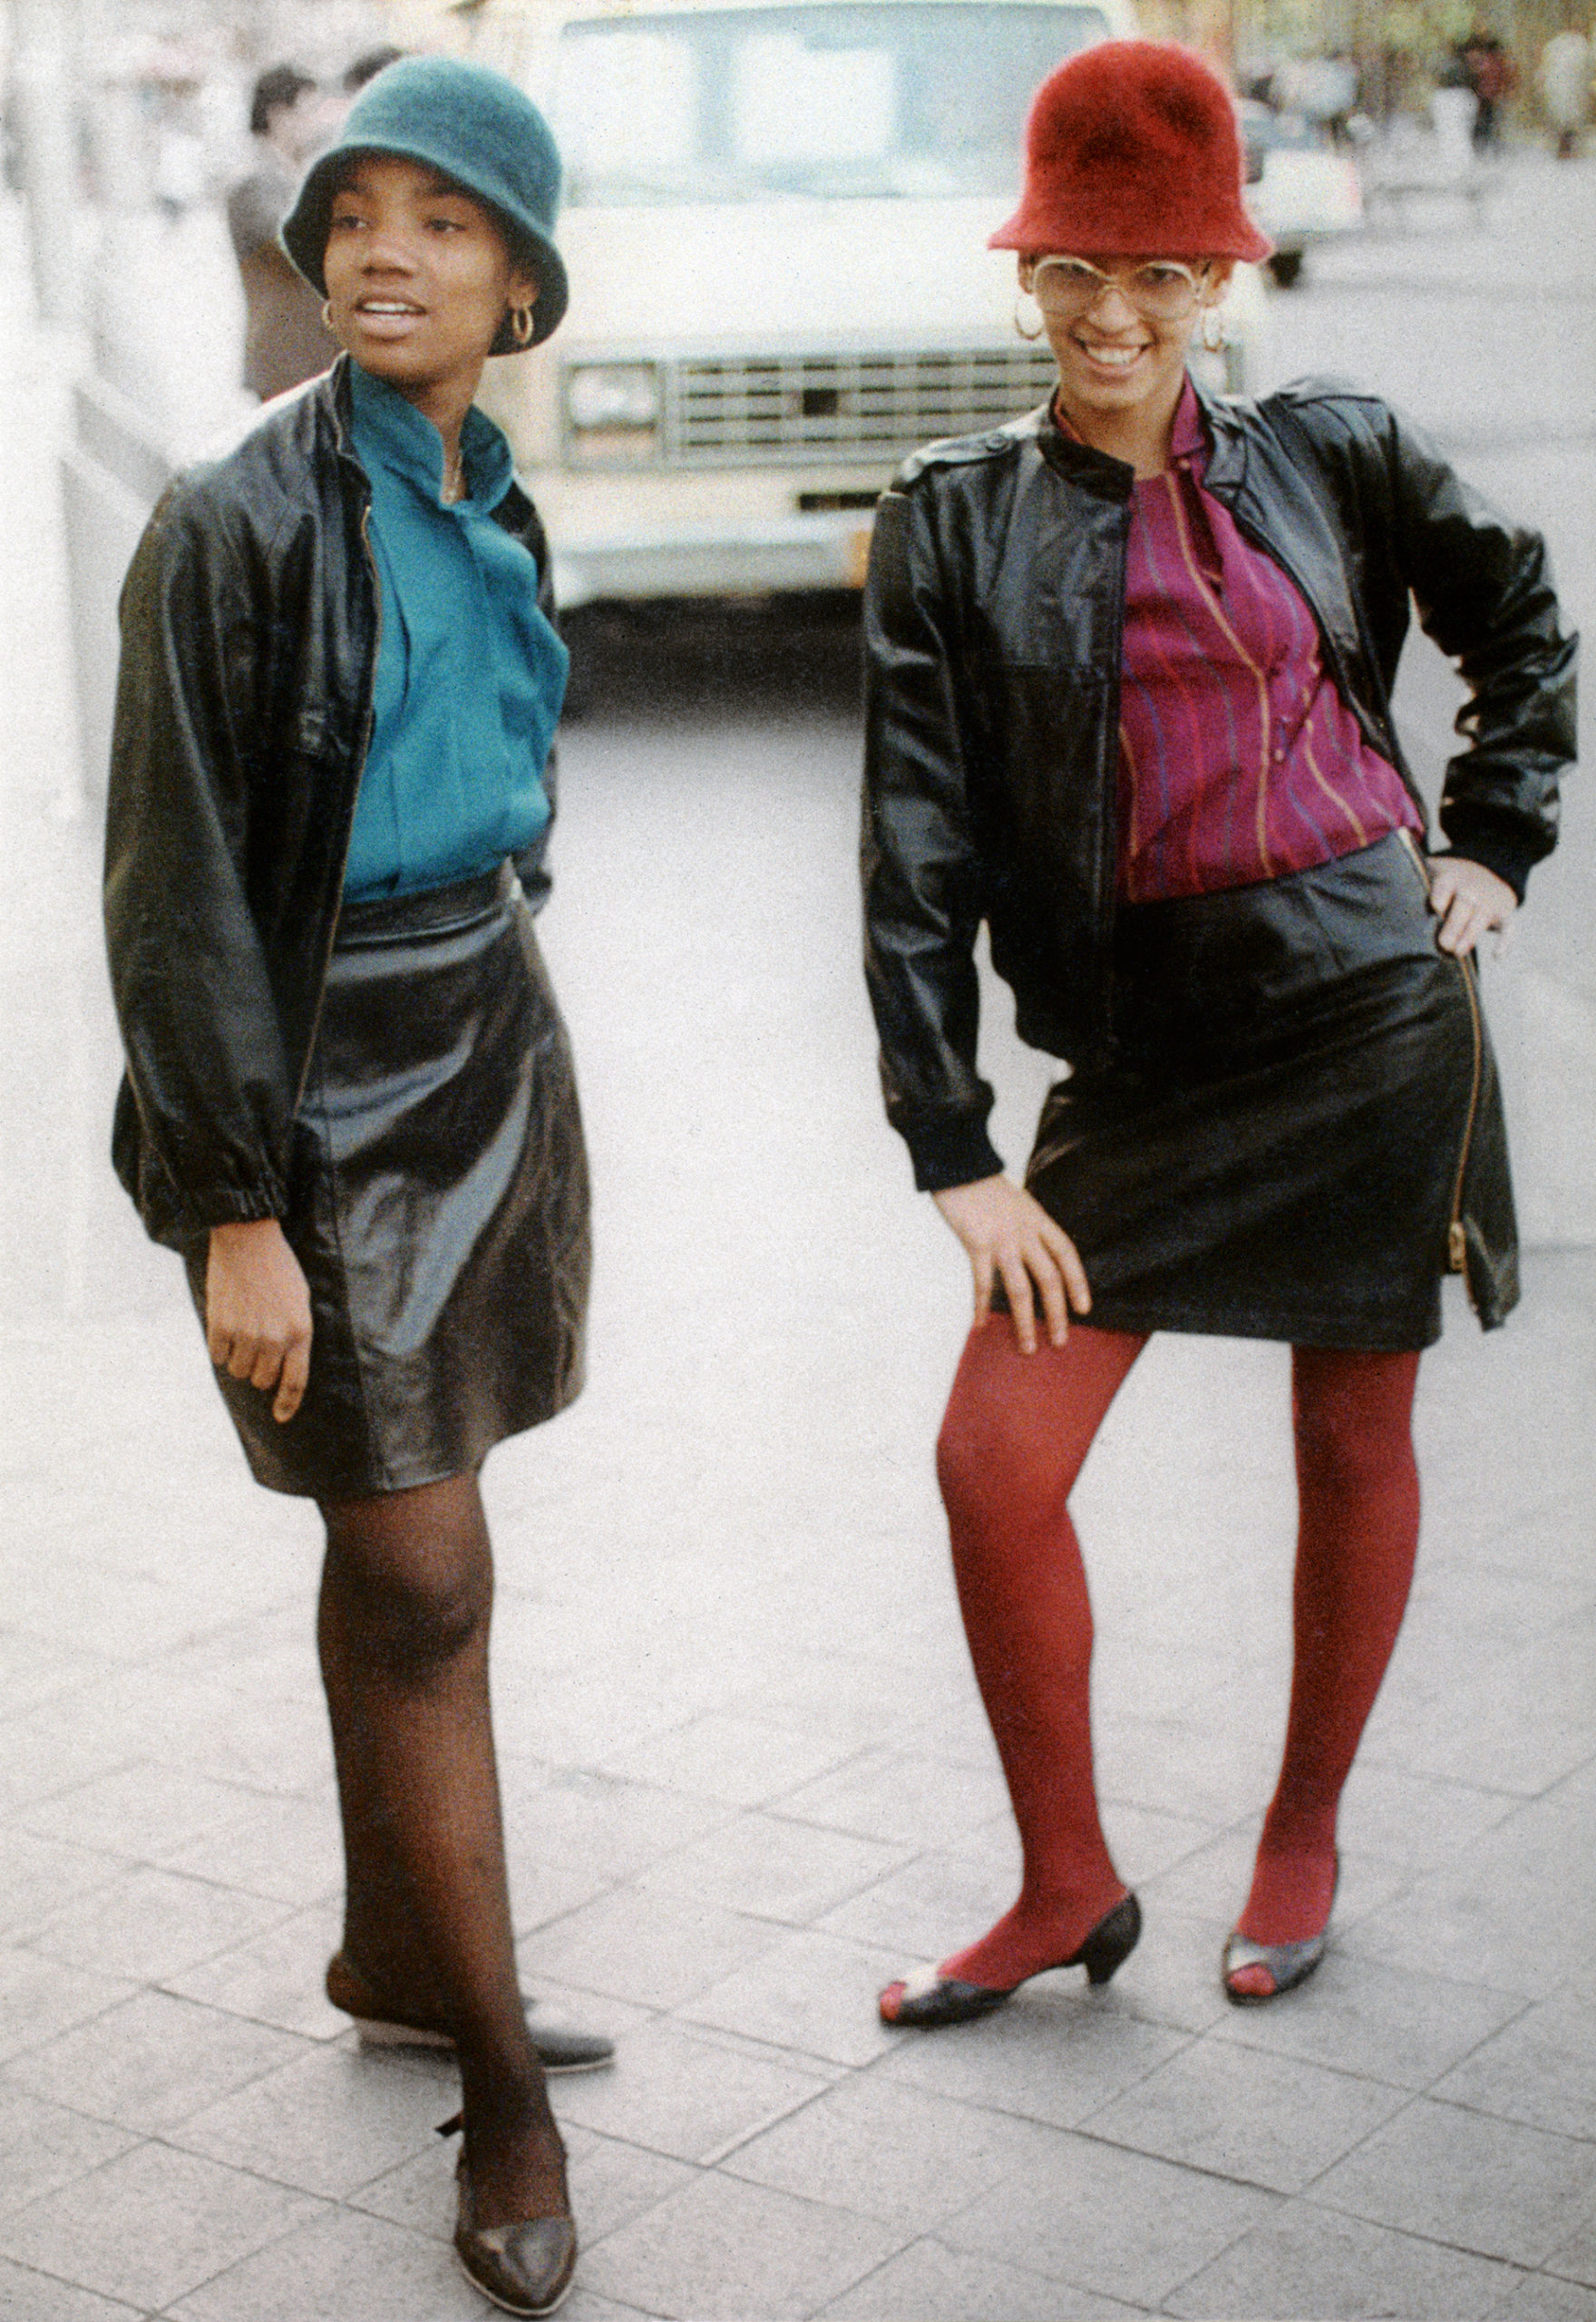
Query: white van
[775,219]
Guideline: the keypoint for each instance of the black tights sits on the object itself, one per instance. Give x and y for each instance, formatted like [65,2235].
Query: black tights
[406,1595]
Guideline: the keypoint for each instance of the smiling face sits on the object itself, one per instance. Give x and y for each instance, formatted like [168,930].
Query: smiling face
[419,275]
[1119,370]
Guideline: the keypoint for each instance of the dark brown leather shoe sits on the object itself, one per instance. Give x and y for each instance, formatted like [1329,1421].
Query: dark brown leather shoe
[380,2026]
[527,2268]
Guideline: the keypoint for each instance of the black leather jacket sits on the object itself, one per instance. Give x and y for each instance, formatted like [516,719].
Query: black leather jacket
[993,619]
[250,630]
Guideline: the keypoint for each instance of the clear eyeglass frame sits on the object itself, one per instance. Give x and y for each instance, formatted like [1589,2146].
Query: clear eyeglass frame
[1161,289]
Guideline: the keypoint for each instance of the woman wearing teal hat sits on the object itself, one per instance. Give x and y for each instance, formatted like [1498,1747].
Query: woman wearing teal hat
[348,1100]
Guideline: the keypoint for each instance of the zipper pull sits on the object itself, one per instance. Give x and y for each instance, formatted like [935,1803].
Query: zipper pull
[1456,1247]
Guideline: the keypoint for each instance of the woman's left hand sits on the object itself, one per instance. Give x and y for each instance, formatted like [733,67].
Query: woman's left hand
[1468,900]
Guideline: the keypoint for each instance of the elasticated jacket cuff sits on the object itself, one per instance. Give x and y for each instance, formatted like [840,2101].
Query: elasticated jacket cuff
[1510,859]
[951,1152]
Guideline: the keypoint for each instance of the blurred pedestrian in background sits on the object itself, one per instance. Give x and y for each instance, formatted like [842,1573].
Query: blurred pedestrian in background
[349,1100]
[285,338]
[368,65]
[1566,88]
[1493,78]
[1129,664]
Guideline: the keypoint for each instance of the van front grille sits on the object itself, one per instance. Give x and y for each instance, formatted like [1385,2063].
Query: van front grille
[753,411]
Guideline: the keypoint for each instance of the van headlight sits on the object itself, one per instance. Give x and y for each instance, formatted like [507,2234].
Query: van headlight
[613,408]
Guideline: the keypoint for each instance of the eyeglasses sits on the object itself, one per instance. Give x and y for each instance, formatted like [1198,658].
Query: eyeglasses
[1161,289]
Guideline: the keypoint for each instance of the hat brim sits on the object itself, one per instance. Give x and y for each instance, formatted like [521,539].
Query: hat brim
[303,234]
[1033,231]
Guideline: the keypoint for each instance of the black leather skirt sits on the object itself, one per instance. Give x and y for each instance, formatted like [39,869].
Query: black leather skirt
[439,1203]
[1300,1128]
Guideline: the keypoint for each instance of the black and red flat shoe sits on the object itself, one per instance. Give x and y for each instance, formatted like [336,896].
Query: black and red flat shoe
[1285,1965]
[928,2000]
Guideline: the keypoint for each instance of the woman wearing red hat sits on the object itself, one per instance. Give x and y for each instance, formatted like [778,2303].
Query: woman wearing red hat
[1129,673]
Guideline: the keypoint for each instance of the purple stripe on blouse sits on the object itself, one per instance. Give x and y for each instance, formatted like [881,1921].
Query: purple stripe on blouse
[1239,760]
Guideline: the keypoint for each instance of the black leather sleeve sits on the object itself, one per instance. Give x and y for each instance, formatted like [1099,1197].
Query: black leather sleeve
[204,1051]
[922,900]
[1482,588]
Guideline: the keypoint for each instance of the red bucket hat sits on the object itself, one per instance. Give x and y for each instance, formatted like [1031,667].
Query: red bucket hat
[1132,151]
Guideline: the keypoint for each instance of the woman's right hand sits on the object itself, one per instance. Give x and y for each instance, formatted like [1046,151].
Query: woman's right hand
[257,1311]
[1009,1237]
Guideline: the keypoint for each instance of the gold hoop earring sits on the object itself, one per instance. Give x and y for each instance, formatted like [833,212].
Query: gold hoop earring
[520,324]
[1213,330]
[1025,334]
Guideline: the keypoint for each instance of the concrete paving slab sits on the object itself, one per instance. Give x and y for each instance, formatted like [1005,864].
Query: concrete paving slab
[44,2146]
[275,1978]
[739,1761]
[813,1993]
[1310,2263]
[1172,1975]
[686,2096]
[1539,2297]
[160,2224]
[151,2063]
[657,1950]
[1481,2184]
[1054,2054]
[1107,2220]
[1390,2025]
[723,2250]
[1269,2121]
[929,2282]
[1467,1921]
[56,1748]
[37,1874]
[773,1870]
[29,2296]
[40,1999]
[1540,2069]
[1574,2258]
[358,2268]
[150,1924]
[327,2124]
[606,1828]
[889,2151]
[902,1799]
[287,1850]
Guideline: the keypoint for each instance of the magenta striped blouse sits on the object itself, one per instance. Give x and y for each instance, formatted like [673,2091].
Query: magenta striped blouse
[1239,760]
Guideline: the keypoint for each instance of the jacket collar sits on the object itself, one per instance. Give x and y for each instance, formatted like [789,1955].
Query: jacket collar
[1227,462]
[1100,470]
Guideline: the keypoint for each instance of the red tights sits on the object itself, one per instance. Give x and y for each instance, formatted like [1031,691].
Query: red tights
[1017,1433]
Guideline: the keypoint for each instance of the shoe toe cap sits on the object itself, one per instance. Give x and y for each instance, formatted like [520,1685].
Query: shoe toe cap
[525,2268]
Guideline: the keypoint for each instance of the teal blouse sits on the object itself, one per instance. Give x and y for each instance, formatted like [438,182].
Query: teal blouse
[469,673]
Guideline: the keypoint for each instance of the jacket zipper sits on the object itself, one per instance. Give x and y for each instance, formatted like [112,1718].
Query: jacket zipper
[1457,1238]
[1108,856]
[367,726]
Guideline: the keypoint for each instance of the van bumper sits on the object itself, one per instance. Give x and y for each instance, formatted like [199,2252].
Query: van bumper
[827,550]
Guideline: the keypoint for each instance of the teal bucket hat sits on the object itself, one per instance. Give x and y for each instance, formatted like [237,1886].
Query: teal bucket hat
[469,124]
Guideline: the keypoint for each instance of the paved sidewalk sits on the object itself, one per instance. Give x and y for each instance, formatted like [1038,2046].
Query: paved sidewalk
[745,1772]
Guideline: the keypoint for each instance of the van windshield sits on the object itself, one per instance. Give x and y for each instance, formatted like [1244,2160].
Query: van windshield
[908,97]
